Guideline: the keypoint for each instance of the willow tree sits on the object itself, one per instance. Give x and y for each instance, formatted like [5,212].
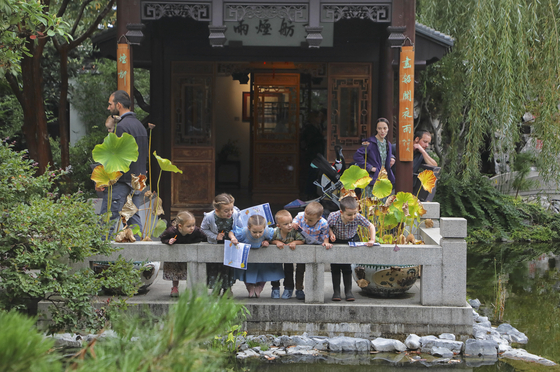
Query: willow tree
[504,64]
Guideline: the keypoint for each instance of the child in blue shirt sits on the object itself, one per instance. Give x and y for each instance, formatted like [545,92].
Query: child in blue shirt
[257,274]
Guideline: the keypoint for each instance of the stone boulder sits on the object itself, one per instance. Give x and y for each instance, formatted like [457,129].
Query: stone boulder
[447,336]
[481,348]
[521,354]
[413,342]
[441,352]
[475,303]
[348,344]
[303,340]
[388,344]
[514,334]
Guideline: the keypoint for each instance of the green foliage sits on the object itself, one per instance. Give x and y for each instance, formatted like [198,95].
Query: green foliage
[175,343]
[92,88]
[116,153]
[11,114]
[80,163]
[493,216]
[522,166]
[503,64]
[20,20]
[41,232]
[355,177]
[23,348]
[480,203]
[121,278]
[534,234]
[230,340]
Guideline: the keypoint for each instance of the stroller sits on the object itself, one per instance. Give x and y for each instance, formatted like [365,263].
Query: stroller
[328,184]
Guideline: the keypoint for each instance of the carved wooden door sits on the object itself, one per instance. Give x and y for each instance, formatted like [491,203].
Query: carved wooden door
[350,110]
[275,137]
[192,136]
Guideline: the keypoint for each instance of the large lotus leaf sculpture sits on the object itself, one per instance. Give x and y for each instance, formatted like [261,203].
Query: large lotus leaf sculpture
[116,153]
[355,177]
[102,178]
[166,165]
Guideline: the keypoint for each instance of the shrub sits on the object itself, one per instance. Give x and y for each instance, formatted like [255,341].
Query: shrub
[41,232]
[22,348]
[180,341]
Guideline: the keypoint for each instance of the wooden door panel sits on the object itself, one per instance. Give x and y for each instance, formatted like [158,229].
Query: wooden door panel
[276,136]
[194,186]
[192,141]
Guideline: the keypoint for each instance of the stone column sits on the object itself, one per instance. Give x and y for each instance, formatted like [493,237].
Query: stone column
[314,283]
[453,231]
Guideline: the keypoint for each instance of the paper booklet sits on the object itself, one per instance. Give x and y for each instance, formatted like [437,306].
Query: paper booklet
[360,244]
[236,255]
[262,209]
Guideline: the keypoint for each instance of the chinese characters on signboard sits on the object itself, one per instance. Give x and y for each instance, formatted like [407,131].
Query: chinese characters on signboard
[406,104]
[123,68]
[273,32]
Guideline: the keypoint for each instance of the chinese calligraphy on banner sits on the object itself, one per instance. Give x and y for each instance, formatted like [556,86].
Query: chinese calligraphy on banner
[406,103]
[123,68]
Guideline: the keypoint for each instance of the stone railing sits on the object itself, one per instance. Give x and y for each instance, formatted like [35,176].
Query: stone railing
[443,258]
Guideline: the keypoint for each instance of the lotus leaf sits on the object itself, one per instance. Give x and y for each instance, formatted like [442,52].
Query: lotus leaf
[102,178]
[382,175]
[382,188]
[138,182]
[355,177]
[405,197]
[390,220]
[157,207]
[116,153]
[160,228]
[125,236]
[166,165]
[129,209]
[136,230]
[428,180]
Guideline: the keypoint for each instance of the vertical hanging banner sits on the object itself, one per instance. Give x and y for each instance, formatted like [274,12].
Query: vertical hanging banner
[406,103]
[123,68]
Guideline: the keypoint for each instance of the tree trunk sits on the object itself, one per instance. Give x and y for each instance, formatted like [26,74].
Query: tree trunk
[62,109]
[32,101]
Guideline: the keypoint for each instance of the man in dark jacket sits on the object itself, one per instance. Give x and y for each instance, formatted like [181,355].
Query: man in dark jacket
[119,104]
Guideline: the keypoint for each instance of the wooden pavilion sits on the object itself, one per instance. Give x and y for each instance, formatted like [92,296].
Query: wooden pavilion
[252,71]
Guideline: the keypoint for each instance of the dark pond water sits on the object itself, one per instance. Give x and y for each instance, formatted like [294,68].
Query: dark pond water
[531,303]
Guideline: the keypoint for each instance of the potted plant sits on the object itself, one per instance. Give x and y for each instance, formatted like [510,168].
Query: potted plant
[395,217]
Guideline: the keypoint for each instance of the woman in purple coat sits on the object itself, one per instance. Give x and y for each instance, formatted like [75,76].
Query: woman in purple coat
[378,154]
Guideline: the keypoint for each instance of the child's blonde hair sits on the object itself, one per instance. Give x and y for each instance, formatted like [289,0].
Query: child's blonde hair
[222,199]
[183,217]
[314,208]
[110,123]
[283,213]
[256,220]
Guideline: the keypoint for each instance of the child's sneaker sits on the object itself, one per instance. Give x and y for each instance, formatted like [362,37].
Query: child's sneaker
[275,293]
[174,292]
[287,294]
[300,295]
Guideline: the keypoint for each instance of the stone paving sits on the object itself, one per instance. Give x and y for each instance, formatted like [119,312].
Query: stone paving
[160,291]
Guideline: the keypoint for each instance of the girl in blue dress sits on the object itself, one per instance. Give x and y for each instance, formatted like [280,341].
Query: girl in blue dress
[257,274]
